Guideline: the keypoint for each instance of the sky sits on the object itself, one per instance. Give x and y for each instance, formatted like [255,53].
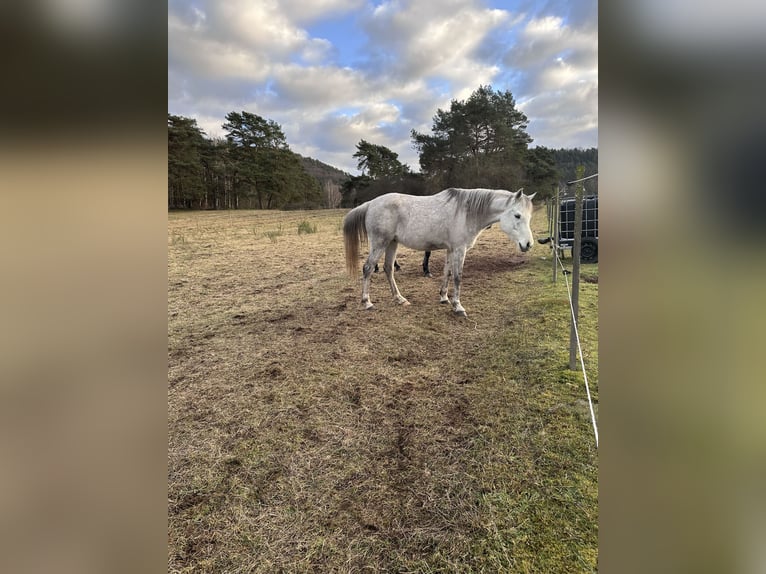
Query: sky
[334,72]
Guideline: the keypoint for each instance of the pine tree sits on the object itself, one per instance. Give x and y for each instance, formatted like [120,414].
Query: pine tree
[478,142]
[186,187]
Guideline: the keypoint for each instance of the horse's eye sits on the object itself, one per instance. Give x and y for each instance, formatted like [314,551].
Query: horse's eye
[518,216]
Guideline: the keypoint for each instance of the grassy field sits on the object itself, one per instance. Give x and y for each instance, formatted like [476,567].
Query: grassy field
[307,435]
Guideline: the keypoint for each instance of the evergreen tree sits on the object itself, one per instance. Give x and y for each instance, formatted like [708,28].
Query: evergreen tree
[478,142]
[382,173]
[378,161]
[542,175]
[253,141]
[186,187]
[267,172]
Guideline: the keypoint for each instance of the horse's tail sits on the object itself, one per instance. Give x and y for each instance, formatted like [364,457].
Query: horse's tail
[354,232]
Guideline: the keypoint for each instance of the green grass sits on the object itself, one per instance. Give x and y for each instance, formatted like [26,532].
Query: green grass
[306,227]
[272,234]
[177,239]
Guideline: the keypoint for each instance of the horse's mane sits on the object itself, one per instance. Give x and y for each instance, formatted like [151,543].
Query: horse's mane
[476,203]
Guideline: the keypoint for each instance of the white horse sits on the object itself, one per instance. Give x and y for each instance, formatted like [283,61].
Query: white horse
[452,220]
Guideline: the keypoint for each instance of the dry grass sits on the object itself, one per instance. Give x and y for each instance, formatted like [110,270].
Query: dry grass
[307,435]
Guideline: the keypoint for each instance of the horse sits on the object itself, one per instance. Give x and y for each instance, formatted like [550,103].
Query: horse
[451,219]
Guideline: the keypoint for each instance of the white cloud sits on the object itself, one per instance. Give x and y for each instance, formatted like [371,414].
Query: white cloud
[543,40]
[413,40]
[317,86]
[557,72]
[304,12]
[565,118]
[336,134]
[317,51]
[226,55]
[259,26]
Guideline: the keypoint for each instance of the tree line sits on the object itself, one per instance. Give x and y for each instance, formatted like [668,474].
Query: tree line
[478,142]
[252,167]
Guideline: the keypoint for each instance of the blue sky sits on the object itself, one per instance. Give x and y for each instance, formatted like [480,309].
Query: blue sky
[333,72]
[348,48]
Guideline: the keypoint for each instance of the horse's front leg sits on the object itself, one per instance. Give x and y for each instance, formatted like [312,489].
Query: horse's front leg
[456,261]
[443,292]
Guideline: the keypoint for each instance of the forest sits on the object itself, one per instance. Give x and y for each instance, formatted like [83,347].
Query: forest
[478,142]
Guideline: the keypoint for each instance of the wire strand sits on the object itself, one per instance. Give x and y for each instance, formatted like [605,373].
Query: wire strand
[577,336]
[582,179]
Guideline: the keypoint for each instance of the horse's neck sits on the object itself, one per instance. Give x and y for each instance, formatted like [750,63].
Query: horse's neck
[499,205]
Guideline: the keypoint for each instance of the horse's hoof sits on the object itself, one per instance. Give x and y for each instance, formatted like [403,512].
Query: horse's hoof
[460,313]
[427,274]
[404,303]
[368,306]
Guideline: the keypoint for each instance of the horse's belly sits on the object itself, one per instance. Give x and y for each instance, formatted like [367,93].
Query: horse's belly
[415,239]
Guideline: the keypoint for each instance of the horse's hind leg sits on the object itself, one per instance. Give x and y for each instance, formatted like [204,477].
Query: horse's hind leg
[456,262]
[388,267]
[369,265]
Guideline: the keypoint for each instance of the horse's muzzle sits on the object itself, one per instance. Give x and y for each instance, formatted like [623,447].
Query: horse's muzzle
[525,246]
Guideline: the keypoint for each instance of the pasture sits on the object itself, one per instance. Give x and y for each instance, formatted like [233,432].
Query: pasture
[308,435]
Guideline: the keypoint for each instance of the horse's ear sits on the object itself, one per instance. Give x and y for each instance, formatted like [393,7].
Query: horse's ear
[531,196]
[518,194]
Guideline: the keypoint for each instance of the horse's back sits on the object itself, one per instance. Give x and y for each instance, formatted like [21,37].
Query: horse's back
[418,222]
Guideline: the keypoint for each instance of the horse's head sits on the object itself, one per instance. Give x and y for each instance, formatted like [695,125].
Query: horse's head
[514,221]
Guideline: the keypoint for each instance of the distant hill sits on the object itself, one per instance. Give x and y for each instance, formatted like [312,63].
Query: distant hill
[323,172]
[331,179]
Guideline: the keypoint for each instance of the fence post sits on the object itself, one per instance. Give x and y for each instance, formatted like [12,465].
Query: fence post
[576,267]
[548,213]
[554,234]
